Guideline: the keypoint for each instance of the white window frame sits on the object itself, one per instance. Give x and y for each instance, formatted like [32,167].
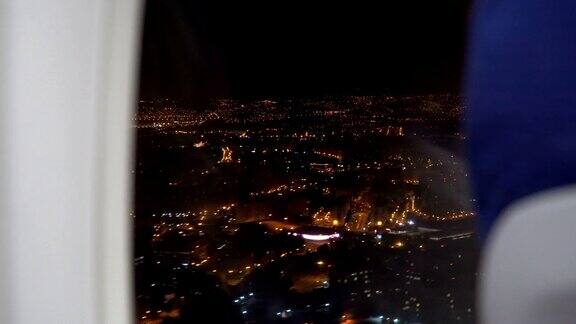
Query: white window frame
[67,95]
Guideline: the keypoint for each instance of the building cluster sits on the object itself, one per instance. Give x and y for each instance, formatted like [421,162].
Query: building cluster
[331,209]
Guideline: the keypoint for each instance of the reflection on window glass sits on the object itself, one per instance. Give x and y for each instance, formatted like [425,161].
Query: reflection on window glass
[299,167]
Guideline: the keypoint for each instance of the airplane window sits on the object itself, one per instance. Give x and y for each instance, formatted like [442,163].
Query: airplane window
[302,164]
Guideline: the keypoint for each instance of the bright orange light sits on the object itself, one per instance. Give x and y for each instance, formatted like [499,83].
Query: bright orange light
[199,144]
[379,223]
[335,222]
[226,155]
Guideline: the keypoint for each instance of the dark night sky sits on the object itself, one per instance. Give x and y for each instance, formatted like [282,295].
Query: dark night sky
[197,50]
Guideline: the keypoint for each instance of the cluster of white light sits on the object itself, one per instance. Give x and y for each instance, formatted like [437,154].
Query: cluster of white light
[320,237]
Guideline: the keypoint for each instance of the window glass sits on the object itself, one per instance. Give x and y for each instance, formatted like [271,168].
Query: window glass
[301,164]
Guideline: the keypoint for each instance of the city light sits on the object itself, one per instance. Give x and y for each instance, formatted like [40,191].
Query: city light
[226,155]
[316,197]
[320,237]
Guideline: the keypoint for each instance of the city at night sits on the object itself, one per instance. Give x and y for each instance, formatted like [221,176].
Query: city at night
[319,210]
[302,173]
[287,162]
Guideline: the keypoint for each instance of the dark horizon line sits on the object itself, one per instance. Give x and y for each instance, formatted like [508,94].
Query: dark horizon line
[307,96]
